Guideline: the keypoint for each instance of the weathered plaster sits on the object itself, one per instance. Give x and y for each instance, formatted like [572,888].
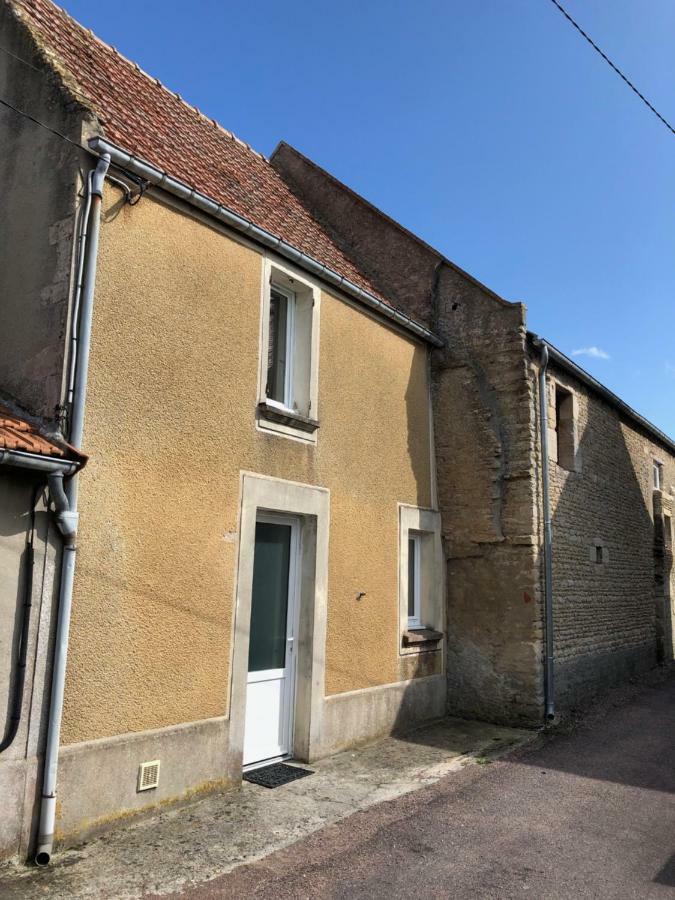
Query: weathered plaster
[40,174]
[170,425]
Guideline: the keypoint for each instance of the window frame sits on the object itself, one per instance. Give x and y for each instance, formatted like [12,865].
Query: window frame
[657,475]
[415,539]
[287,402]
[424,525]
[297,417]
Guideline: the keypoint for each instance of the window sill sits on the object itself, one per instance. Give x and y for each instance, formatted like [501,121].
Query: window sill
[424,637]
[287,417]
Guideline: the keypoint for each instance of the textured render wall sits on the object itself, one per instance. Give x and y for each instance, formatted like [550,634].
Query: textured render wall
[485,432]
[612,619]
[169,426]
[39,178]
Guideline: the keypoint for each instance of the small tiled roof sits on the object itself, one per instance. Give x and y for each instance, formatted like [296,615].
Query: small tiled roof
[16,433]
[145,118]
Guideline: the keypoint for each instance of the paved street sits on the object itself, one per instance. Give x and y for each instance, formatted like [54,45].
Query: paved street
[591,814]
[588,813]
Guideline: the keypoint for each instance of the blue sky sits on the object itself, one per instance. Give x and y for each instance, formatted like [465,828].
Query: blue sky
[488,127]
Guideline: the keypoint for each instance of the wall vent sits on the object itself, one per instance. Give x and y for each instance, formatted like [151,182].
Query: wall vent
[148,775]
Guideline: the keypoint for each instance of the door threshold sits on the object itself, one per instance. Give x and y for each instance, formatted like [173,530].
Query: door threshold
[266,762]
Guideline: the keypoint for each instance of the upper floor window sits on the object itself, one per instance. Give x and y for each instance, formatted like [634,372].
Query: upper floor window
[288,394]
[564,427]
[657,475]
[279,387]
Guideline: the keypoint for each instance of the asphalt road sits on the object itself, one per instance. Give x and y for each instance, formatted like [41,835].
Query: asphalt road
[588,814]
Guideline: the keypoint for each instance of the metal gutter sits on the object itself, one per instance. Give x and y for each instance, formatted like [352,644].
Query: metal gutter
[566,363]
[160,179]
[50,464]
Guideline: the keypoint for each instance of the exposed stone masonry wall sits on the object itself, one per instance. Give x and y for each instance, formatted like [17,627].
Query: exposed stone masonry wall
[485,430]
[611,562]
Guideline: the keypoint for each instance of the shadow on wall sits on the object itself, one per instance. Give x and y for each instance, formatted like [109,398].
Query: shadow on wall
[17,494]
[611,568]
[419,427]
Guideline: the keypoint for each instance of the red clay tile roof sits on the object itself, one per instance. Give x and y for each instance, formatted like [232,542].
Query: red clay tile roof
[145,118]
[18,434]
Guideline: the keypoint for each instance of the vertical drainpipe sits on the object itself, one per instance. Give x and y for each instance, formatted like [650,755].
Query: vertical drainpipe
[549,687]
[65,501]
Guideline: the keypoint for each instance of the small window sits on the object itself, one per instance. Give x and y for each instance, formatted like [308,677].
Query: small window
[279,388]
[598,554]
[288,386]
[657,475]
[414,580]
[420,582]
[564,427]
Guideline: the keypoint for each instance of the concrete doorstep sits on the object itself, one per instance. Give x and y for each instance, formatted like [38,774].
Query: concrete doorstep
[197,843]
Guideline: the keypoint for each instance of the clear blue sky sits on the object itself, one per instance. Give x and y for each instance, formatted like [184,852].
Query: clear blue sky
[488,127]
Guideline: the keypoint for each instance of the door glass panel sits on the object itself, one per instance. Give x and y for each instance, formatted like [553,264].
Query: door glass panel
[269,603]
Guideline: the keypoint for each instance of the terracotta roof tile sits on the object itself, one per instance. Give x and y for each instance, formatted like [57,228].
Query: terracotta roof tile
[16,433]
[143,117]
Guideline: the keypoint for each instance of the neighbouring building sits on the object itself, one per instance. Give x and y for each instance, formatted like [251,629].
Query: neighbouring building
[313,509]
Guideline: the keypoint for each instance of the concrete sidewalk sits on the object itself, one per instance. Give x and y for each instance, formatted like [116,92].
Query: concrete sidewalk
[197,843]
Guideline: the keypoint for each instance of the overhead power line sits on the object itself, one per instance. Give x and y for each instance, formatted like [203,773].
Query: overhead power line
[613,66]
[42,125]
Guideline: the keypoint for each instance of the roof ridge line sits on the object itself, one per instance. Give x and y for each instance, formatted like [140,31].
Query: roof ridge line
[363,200]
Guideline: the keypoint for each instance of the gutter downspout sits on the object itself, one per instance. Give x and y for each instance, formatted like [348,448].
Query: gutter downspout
[65,501]
[549,685]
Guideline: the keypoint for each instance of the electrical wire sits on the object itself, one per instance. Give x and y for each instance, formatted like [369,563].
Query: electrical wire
[42,125]
[613,66]
[45,74]
[131,199]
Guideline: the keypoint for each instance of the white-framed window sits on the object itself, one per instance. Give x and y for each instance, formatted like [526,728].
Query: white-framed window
[657,475]
[421,579]
[279,384]
[289,348]
[414,579]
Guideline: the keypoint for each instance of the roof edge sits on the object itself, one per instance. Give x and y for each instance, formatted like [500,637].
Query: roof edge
[41,462]
[387,218]
[125,160]
[557,356]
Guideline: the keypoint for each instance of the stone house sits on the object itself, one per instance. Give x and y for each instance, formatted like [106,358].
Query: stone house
[314,508]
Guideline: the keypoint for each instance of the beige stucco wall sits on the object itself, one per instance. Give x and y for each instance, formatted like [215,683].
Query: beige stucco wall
[170,426]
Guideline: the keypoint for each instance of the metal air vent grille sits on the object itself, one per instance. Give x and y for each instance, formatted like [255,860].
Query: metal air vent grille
[148,775]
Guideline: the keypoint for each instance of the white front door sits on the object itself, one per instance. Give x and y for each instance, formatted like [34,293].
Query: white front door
[270,690]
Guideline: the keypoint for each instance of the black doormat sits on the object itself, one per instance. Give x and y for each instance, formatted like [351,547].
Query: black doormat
[276,775]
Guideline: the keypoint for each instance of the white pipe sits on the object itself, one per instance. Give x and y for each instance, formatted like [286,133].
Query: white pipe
[183,191]
[81,244]
[65,501]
